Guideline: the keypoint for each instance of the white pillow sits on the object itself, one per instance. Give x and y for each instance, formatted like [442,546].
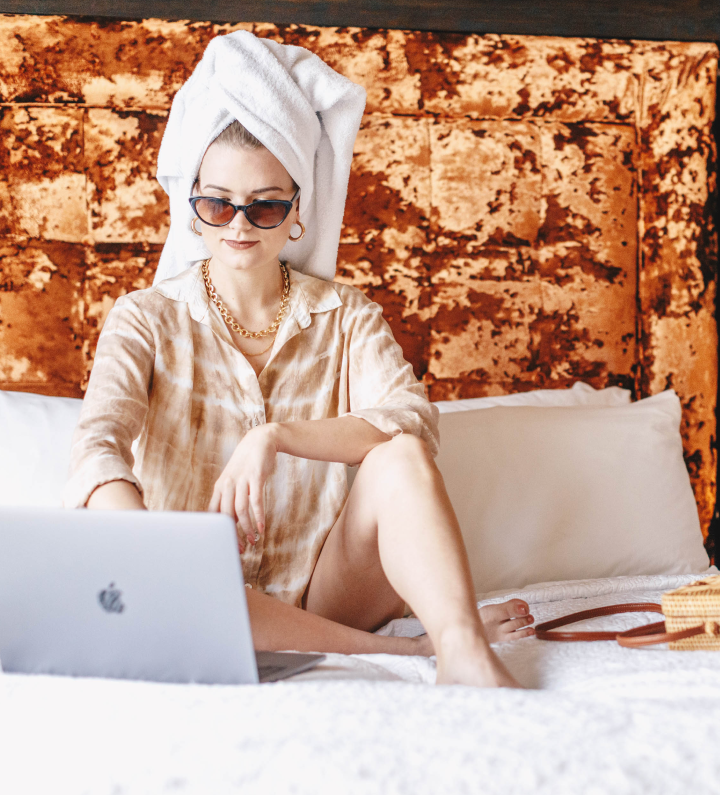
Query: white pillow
[581,394]
[548,494]
[36,433]
[35,436]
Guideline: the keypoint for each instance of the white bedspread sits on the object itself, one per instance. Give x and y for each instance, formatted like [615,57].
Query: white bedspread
[602,719]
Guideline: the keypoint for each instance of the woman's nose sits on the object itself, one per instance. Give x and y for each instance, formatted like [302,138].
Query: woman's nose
[240,223]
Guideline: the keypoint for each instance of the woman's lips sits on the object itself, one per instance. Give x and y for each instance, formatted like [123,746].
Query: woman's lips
[240,245]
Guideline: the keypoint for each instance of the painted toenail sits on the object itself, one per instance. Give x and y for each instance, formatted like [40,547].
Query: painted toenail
[522,610]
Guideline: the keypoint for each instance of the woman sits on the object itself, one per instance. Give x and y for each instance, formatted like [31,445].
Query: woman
[249,384]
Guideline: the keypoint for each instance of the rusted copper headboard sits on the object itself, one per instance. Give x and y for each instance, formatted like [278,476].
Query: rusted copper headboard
[528,210]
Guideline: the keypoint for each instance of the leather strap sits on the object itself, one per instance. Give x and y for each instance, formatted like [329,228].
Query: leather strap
[655,633]
[543,631]
[646,635]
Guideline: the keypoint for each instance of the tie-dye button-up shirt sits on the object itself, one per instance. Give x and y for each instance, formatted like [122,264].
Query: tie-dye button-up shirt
[168,374]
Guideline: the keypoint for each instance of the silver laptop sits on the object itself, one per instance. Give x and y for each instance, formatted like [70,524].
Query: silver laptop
[131,595]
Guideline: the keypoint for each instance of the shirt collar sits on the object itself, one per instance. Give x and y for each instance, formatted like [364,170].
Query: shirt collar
[308,295]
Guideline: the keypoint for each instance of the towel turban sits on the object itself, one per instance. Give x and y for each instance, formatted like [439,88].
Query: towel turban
[300,109]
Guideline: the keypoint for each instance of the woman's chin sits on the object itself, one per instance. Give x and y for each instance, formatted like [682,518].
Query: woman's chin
[242,259]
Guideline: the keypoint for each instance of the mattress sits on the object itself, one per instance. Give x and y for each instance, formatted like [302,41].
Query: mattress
[595,719]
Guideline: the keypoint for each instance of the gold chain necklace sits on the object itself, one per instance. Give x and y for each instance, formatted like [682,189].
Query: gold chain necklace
[230,320]
[259,353]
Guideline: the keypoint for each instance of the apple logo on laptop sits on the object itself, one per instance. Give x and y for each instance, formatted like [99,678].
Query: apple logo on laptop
[111,599]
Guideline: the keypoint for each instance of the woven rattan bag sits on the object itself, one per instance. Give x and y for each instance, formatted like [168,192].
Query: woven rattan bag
[692,620]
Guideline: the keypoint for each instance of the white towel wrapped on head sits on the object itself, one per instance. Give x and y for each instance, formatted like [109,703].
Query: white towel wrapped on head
[301,110]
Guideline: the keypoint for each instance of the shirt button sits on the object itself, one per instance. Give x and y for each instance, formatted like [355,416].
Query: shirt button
[256,421]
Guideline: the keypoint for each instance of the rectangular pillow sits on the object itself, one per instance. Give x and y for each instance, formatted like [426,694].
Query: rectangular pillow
[581,394]
[35,436]
[562,493]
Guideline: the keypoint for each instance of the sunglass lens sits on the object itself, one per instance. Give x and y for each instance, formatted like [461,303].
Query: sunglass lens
[214,211]
[267,214]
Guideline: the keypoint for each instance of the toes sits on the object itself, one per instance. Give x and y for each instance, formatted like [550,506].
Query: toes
[518,608]
[511,627]
[500,615]
[521,633]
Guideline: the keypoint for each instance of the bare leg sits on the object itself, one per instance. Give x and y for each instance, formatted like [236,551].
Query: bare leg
[398,514]
[277,626]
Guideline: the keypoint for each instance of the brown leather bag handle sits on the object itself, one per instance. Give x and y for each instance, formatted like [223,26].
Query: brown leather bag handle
[543,631]
[655,633]
[646,635]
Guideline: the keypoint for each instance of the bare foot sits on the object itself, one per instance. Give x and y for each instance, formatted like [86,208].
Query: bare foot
[465,658]
[507,621]
[503,622]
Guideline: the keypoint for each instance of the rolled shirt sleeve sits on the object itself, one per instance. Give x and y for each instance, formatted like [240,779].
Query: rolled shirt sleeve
[382,386]
[115,405]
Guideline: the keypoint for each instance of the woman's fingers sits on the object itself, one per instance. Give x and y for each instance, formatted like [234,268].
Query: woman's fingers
[214,504]
[227,501]
[241,510]
[235,503]
[258,506]
[239,491]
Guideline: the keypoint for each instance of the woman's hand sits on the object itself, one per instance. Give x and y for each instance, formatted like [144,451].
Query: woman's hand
[239,489]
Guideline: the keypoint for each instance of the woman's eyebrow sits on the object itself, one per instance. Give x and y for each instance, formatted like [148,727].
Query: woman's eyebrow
[217,187]
[252,193]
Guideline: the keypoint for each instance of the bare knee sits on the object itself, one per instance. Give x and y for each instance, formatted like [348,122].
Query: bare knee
[403,448]
[405,457]
[404,463]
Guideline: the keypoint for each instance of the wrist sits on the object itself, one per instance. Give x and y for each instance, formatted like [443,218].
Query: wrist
[273,431]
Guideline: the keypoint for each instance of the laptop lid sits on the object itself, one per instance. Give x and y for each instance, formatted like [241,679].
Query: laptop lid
[123,594]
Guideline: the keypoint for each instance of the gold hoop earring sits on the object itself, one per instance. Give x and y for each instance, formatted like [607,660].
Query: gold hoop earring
[301,235]
[192,226]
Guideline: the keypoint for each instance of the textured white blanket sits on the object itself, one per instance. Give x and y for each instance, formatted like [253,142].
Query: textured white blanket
[604,720]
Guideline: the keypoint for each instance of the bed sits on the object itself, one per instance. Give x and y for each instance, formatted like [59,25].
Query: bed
[603,720]
[598,267]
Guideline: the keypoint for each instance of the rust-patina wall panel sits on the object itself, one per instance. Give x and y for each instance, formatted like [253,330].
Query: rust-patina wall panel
[535,265]
[112,270]
[679,246]
[512,77]
[514,201]
[126,202]
[41,317]
[384,239]
[41,173]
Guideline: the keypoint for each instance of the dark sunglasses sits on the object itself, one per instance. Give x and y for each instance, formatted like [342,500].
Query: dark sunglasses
[264,214]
